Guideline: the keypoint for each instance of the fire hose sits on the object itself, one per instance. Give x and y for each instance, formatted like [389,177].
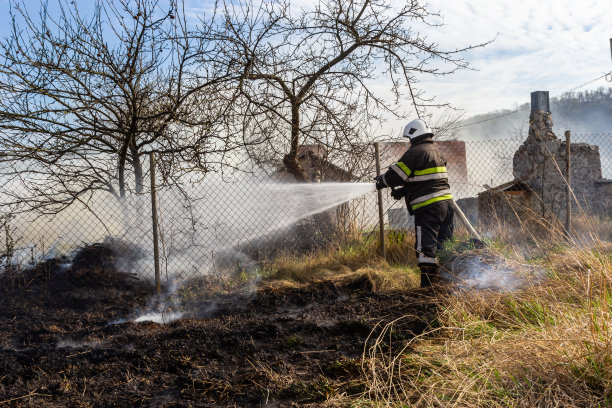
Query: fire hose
[465,221]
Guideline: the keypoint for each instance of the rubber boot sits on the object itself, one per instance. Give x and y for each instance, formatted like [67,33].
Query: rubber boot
[429,275]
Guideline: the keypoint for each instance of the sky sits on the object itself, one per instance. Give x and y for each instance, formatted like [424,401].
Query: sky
[549,45]
[545,45]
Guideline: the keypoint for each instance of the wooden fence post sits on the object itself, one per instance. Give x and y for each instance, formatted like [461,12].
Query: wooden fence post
[155,225]
[381,216]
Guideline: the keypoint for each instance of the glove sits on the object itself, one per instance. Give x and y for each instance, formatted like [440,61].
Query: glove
[398,193]
[380,184]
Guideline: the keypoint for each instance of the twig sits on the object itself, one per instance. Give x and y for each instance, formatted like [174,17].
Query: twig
[78,354]
[32,394]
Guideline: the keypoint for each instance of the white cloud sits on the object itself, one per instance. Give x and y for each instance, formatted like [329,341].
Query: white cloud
[549,45]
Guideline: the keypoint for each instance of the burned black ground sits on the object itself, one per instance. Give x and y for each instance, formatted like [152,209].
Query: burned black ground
[278,346]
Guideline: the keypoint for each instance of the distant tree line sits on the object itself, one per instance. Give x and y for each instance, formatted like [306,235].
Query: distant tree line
[582,111]
[601,94]
[575,105]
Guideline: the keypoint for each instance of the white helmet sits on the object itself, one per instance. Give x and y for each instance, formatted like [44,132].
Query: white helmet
[416,128]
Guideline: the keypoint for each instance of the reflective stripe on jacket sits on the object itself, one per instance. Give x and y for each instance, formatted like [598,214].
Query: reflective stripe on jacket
[422,170]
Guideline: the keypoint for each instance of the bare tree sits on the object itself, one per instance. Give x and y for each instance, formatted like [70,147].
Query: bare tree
[309,76]
[83,99]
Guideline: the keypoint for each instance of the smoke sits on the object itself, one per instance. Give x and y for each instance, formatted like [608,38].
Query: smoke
[159,317]
[201,228]
[164,308]
[485,271]
[230,215]
[200,225]
[68,343]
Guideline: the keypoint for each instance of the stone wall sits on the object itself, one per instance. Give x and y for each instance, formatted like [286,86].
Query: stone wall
[542,159]
[505,210]
[534,151]
[604,189]
[585,174]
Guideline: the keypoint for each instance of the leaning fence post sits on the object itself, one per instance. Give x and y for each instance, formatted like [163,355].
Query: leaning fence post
[568,186]
[155,225]
[381,216]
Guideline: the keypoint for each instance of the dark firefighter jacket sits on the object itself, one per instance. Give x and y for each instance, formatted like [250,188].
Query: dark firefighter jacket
[422,171]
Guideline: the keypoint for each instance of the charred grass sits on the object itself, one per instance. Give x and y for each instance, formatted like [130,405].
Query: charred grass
[275,343]
[354,332]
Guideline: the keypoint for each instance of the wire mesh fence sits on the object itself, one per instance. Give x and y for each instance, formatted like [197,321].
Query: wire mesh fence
[211,221]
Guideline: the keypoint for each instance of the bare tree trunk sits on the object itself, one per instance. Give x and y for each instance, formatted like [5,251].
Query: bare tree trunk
[121,169]
[291,159]
[137,168]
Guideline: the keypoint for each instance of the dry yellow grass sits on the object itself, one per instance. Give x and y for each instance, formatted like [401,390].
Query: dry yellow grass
[548,345]
[353,261]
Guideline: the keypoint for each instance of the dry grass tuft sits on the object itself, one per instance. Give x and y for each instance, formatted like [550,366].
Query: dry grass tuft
[399,272]
[547,345]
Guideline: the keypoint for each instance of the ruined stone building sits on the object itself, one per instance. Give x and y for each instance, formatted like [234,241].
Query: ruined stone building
[539,167]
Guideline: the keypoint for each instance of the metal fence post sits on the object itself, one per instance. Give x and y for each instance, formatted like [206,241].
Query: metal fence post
[155,225]
[381,216]
[568,187]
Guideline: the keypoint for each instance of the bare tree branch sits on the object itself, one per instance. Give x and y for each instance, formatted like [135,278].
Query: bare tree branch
[308,76]
[83,99]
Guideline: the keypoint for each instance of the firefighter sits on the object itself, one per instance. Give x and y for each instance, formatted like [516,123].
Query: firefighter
[421,177]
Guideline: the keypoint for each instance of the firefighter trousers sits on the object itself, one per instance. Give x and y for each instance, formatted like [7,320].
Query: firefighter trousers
[434,225]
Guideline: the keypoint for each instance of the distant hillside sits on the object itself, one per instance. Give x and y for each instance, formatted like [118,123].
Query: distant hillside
[588,115]
[585,112]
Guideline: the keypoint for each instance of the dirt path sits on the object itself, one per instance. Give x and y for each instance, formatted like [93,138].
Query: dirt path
[278,347]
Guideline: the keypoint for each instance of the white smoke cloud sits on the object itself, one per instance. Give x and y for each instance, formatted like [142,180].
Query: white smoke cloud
[199,224]
[487,272]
